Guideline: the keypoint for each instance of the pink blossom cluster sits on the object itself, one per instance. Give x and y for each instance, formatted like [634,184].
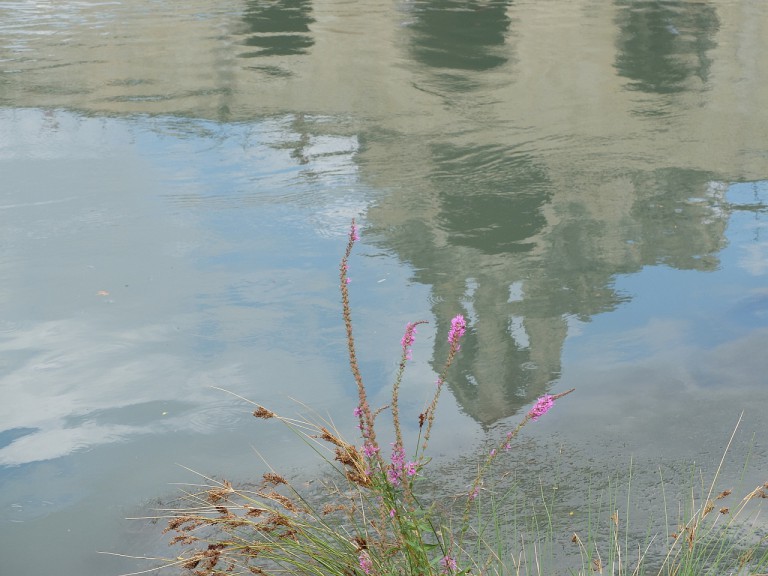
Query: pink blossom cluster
[507,444]
[448,564]
[399,468]
[458,328]
[366,565]
[541,407]
[408,339]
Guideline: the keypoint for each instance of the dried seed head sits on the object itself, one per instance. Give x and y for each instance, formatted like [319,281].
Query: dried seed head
[274,479]
[183,524]
[331,508]
[358,478]
[218,494]
[723,494]
[286,502]
[262,412]
[183,539]
[756,493]
[278,520]
[222,510]
[360,543]
[192,562]
[328,437]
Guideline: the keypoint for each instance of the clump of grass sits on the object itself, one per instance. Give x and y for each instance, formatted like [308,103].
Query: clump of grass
[373,521]
[707,536]
[377,518]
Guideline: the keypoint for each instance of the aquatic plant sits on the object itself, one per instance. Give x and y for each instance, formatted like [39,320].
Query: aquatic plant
[375,514]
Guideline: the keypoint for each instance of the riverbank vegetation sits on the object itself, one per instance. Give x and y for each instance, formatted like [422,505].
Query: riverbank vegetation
[378,512]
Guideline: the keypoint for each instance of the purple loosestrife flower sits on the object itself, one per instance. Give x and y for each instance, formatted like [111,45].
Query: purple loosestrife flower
[458,328]
[370,450]
[411,468]
[395,470]
[365,562]
[541,407]
[353,233]
[358,411]
[409,338]
[448,563]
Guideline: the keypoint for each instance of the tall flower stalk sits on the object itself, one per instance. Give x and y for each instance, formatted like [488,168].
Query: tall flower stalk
[381,529]
[363,410]
[458,329]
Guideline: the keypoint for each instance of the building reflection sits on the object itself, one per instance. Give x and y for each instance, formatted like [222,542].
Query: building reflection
[526,258]
[520,198]
[277,28]
[663,45]
[459,34]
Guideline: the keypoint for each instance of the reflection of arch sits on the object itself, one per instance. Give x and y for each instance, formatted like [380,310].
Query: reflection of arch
[460,34]
[506,360]
[523,278]
[278,28]
[484,217]
[664,43]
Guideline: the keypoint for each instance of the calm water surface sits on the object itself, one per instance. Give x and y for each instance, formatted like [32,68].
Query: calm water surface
[587,181]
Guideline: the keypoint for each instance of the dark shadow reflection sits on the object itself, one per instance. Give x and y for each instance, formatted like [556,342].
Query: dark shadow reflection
[524,259]
[664,44]
[459,34]
[278,28]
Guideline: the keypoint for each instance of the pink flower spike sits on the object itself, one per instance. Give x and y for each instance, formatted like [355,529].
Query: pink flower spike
[541,407]
[353,233]
[448,563]
[358,411]
[365,562]
[408,339]
[458,328]
[392,513]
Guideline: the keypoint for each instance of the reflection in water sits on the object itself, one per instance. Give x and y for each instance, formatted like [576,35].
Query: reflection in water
[535,204]
[663,44]
[491,209]
[459,34]
[278,28]
[526,264]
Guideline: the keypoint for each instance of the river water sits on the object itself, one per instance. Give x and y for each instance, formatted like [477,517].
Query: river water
[587,181]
